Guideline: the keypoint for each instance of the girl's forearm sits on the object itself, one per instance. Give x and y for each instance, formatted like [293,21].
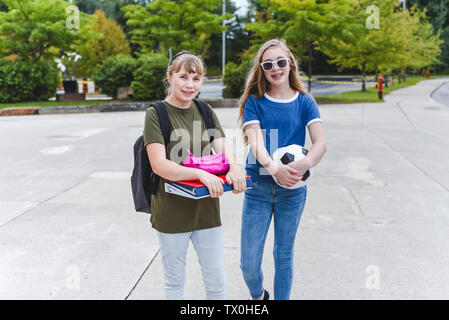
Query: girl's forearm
[259,150]
[174,172]
[316,152]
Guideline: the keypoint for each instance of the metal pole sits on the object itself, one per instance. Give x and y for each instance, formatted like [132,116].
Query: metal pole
[170,53]
[404,6]
[223,62]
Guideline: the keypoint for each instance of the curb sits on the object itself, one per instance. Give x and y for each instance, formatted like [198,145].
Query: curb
[110,107]
[20,111]
[430,93]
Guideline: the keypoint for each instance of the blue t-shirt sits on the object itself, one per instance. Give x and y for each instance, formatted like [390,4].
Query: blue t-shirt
[283,122]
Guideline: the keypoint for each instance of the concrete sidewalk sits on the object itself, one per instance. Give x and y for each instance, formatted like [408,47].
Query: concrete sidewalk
[376,223]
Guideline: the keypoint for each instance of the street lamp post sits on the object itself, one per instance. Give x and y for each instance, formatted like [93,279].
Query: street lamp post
[170,52]
[223,43]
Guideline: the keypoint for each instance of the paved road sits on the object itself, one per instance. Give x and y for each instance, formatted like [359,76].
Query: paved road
[213,89]
[329,89]
[376,223]
[441,95]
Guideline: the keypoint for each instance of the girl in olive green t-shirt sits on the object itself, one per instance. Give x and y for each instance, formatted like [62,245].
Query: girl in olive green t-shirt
[178,219]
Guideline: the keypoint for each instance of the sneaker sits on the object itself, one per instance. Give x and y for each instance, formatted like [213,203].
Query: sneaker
[266,295]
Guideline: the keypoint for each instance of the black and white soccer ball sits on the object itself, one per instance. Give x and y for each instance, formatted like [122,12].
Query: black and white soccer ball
[288,154]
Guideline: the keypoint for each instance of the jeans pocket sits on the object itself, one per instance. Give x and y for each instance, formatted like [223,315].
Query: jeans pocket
[253,189]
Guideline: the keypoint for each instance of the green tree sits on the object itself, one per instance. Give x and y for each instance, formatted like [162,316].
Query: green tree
[237,40]
[304,24]
[437,12]
[3,6]
[114,72]
[180,25]
[366,43]
[235,77]
[147,84]
[422,45]
[112,8]
[37,29]
[111,41]
[27,81]
[268,22]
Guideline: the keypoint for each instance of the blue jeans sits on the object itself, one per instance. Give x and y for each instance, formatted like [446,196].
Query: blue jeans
[261,202]
[208,244]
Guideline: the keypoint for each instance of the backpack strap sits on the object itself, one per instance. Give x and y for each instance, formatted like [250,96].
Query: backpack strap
[164,120]
[208,118]
[165,124]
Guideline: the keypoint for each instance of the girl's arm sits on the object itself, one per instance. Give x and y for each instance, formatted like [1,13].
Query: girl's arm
[285,175]
[174,172]
[235,176]
[316,152]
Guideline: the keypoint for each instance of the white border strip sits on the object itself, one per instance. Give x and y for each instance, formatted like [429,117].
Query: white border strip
[313,120]
[282,100]
[247,123]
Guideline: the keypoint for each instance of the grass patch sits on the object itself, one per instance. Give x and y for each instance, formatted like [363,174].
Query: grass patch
[58,103]
[370,95]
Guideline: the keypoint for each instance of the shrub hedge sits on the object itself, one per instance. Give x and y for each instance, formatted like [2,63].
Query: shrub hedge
[148,77]
[144,75]
[22,81]
[114,72]
[235,78]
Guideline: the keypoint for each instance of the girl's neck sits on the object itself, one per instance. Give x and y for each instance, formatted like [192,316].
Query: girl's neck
[177,103]
[281,92]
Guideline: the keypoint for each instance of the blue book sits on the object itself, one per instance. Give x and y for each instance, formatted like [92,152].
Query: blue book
[197,190]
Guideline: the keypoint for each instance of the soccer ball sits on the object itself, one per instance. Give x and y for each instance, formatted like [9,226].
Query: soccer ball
[288,154]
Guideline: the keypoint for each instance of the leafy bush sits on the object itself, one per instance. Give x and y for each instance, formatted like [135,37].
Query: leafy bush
[148,77]
[114,72]
[22,81]
[235,78]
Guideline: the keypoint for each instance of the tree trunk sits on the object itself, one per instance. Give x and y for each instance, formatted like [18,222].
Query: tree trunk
[363,77]
[309,68]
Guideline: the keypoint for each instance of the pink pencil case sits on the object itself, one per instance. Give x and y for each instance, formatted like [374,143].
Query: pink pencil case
[213,163]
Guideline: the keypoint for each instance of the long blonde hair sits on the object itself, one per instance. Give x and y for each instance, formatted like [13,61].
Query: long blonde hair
[258,85]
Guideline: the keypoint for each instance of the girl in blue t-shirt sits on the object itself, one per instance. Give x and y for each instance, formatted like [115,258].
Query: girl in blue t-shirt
[275,104]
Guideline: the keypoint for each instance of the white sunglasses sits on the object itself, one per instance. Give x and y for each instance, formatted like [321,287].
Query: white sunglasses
[268,65]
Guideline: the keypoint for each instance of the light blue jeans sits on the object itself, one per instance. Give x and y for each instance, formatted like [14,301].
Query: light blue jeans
[264,200]
[208,244]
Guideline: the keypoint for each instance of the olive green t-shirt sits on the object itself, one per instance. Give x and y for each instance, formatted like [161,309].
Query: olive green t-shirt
[172,213]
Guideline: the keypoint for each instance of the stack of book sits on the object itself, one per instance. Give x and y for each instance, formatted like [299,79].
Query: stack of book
[195,189]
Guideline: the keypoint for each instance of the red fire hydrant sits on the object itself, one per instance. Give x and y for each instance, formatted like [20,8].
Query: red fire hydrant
[380,86]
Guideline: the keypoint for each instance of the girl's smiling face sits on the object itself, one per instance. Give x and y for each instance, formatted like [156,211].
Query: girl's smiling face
[184,86]
[276,76]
